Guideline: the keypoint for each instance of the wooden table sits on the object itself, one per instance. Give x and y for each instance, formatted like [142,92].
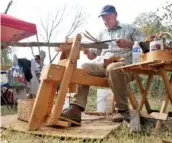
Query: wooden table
[151,68]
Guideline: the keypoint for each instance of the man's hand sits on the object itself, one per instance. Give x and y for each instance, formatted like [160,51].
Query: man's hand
[122,43]
[112,59]
[89,54]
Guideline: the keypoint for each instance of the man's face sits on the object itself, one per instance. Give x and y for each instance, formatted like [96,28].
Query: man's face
[37,60]
[110,20]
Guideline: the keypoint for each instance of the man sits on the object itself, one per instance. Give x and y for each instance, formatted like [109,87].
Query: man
[39,65]
[118,79]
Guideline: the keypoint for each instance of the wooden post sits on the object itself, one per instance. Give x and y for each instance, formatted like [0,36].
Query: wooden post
[40,107]
[163,110]
[168,86]
[143,92]
[51,98]
[70,66]
[132,100]
[167,83]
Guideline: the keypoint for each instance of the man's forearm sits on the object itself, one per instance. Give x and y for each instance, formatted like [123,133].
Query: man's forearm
[123,43]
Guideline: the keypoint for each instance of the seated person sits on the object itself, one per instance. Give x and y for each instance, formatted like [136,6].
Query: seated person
[117,78]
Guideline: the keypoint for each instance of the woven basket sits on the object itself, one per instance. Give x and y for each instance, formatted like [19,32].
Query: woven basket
[159,55]
[24,109]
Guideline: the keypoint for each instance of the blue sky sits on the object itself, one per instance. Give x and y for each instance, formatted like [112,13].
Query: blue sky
[34,10]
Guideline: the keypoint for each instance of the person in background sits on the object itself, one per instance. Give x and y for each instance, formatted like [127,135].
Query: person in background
[34,83]
[39,65]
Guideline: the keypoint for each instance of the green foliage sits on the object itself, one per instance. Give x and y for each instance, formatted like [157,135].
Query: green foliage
[91,105]
[166,15]
[151,23]
[155,21]
[5,56]
[157,87]
[7,110]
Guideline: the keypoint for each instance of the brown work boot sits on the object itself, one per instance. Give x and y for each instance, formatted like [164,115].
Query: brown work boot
[72,114]
[120,116]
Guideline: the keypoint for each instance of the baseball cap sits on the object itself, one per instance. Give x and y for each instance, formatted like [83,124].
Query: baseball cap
[107,9]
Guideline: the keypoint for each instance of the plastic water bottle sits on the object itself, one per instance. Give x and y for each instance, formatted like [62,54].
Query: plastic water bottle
[136,53]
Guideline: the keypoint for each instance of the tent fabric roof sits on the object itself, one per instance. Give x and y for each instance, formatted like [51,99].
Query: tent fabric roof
[13,29]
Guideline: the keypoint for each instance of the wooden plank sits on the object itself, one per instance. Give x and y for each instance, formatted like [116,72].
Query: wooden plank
[136,65]
[5,67]
[62,62]
[88,130]
[139,84]
[51,98]
[88,117]
[155,115]
[28,44]
[95,113]
[143,99]
[159,116]
[49,122]
[72,88]
[70,121]
[166,141]
[132,100]
[160,64]
[168,67]
[163,110]
[55,73]
[41,105]
[62,123]
[71,63]
[147,66]
[164,106]
[141,68]
[44,72]
[167,84]
[87,79]
[142,71]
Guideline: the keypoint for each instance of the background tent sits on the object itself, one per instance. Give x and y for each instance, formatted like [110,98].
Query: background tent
[13,29]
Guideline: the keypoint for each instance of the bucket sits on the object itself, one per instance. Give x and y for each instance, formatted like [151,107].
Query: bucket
[104,101]
[67,101]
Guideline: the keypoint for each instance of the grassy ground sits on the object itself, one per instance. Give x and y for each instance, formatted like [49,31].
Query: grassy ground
[121,135]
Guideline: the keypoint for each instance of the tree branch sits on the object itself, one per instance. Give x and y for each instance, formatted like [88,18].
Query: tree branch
[77,22]
[44,44]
